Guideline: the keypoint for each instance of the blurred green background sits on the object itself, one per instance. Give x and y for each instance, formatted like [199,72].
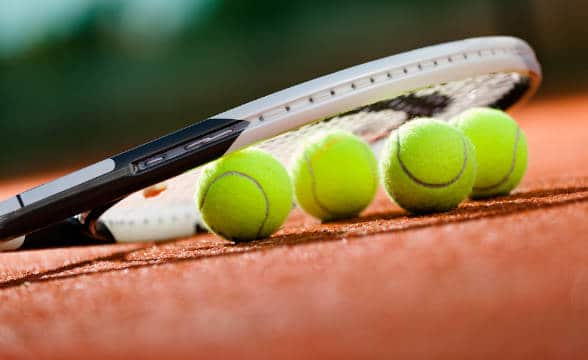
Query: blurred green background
[83,79]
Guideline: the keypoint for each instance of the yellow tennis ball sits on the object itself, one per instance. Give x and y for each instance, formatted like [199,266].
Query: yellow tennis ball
[501,150]
[427,165]
[244,196]
[335,175]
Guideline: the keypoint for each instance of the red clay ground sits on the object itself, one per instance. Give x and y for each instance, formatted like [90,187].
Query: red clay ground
[506,278]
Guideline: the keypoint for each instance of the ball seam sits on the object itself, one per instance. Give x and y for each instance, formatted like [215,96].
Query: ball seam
[323,207]
[253,180]
[428,184]
[510,171]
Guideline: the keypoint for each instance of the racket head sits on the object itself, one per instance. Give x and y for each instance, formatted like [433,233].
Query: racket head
[369,100]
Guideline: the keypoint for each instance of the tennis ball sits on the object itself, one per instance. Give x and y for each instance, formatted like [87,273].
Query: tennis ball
[335,175]
[427,165]
[244,196]
[501,150]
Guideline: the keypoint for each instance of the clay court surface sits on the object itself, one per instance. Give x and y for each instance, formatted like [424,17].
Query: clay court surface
[506,278]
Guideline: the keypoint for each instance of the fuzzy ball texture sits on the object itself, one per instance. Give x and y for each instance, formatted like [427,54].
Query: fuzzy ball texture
[244,196]
[501,150]
[427,165]
[335,175]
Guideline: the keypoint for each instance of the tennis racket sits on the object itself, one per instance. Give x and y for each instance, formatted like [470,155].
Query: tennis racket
[146,193]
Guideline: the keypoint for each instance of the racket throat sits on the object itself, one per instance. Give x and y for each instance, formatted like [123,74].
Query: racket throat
[80,230]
